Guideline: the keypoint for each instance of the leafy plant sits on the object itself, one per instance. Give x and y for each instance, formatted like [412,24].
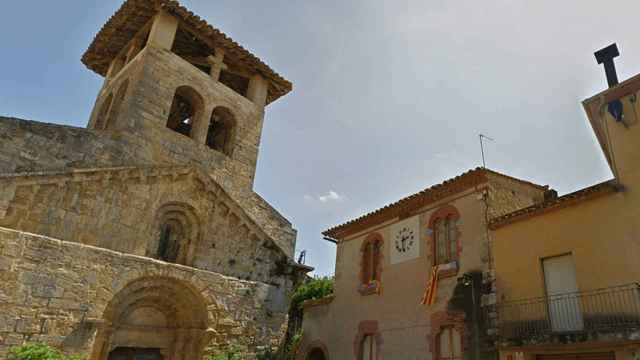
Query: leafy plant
[39,352]
[233,353]
[316,288]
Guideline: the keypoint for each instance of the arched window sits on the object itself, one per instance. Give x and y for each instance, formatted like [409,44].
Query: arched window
[449,344]
[117,103]
[186,109]
[371,264]
[369,348]
[220,136]
[368,342]
[172,236]
[444,234]
[101,120]
[177,233]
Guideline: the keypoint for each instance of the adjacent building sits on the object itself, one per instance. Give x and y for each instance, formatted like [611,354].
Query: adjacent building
[510,269]
[141,235]
[385,261]
[567,270]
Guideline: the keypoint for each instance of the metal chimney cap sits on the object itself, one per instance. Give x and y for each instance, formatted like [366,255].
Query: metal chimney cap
[607,53]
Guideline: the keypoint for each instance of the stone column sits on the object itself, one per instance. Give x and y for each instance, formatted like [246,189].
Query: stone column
[134,48]
[217,64]
[102,343]
[201,125]
[257,91]
[163,31]
[179,345]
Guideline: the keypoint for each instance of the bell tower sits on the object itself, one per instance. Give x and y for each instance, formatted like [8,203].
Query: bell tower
[181,88]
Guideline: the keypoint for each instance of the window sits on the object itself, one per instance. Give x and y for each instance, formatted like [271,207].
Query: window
[369,349]
[371,264]
[171,236]
[444,235]
[185,109]
[449,344]
[221,131]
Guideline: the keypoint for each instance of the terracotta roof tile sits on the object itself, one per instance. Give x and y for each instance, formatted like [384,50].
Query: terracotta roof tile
[579,196]
[133,15]
[413,202]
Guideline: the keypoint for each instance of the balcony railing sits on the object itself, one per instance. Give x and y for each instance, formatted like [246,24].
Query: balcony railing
[603,310]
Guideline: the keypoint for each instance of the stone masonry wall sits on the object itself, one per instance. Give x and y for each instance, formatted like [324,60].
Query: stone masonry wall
[31,147]
[119,209]
[56,292]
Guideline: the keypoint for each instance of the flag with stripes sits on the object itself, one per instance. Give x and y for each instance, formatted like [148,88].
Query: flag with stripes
[432,288]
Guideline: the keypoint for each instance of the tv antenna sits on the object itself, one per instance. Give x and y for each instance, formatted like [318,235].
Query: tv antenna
[482,139]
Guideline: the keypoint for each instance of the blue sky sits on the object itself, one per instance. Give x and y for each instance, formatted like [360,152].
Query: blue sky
[389,96]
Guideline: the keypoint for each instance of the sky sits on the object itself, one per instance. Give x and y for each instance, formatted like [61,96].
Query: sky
[389,96]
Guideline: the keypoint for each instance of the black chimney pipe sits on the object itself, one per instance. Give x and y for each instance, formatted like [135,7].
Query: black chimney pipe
[605,56]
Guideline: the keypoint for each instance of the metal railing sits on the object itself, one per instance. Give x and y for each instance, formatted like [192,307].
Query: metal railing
[604,310]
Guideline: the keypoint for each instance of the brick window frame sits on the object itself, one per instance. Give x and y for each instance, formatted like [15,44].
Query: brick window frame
[371,262]
[314,345]
[441,321]
[443,213]
[367,328]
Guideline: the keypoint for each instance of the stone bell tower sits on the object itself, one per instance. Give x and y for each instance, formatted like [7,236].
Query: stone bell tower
[181,89]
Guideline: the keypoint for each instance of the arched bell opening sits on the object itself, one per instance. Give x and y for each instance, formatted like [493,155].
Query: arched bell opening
[186,111]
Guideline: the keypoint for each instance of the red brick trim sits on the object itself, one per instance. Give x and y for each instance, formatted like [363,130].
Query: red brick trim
[317,344]
[367,328]
[365,286]
[440,321]
[446,211]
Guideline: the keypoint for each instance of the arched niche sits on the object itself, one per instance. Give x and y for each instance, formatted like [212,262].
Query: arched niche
[186,111]
[176,233]
[160,313]
[222,131]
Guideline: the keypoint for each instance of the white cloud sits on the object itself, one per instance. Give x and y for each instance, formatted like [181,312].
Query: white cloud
[330,196]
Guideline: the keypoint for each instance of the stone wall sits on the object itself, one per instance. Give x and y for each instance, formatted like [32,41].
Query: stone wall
[121,209]
[31,147]
[57,292]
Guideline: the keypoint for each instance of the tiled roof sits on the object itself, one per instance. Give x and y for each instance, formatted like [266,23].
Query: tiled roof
[579,196]
[416,201]
[135,14]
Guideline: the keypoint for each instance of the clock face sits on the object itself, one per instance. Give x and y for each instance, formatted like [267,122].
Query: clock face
[405,240]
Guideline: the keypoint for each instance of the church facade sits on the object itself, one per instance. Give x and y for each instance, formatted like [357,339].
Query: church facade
[141,235]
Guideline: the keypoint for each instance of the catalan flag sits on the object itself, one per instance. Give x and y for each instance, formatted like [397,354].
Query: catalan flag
[432,288]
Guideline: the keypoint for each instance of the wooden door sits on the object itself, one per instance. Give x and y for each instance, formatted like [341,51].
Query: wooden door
[135,354]
[565,314]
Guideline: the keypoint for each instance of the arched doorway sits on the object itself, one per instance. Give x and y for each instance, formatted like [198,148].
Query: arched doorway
[123,353]
[153,318]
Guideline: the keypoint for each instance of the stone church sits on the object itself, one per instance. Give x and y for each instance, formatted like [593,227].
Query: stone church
[140,237]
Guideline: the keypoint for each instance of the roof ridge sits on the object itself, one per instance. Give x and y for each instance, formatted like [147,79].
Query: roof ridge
[421,198]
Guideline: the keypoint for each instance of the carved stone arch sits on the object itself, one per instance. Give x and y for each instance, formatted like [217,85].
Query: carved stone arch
[222,131]
[182,218]
[155,312]
[187,110]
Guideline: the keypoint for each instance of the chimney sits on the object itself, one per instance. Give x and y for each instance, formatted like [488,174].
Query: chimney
[605,56]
